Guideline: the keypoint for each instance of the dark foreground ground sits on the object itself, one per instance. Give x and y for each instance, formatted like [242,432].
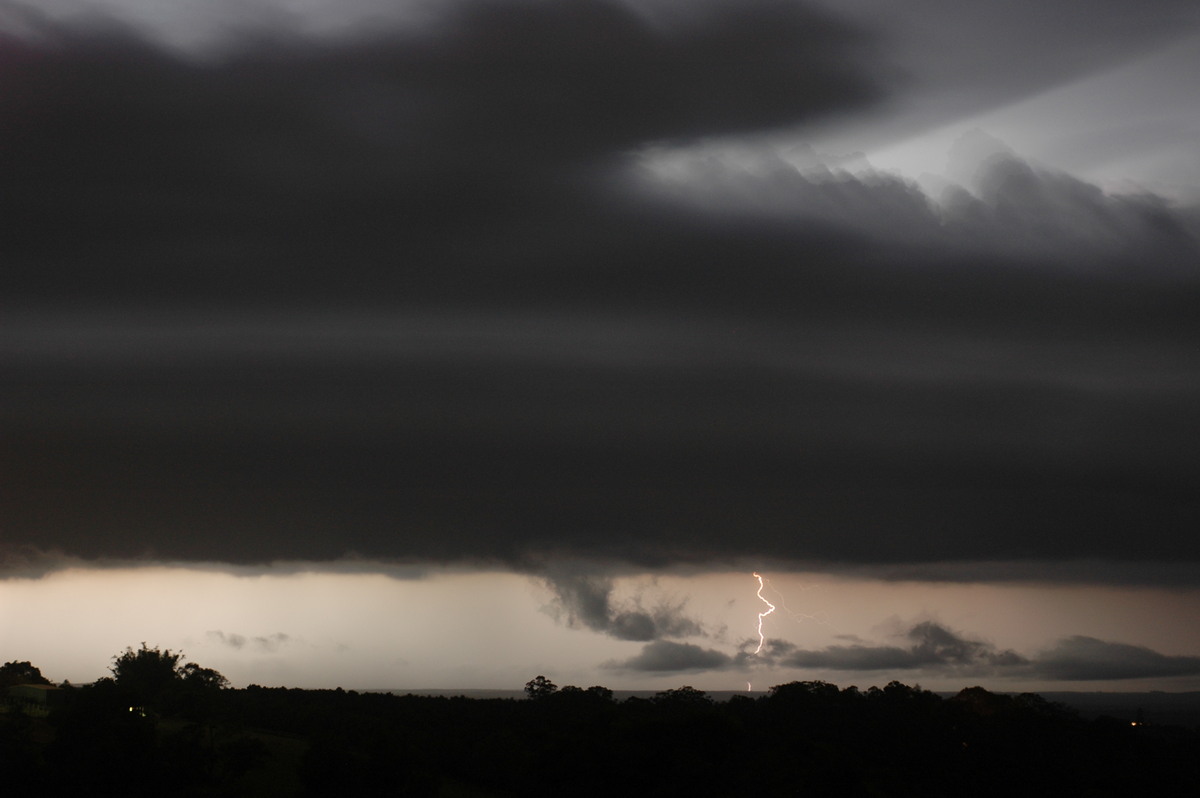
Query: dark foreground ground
[802,738]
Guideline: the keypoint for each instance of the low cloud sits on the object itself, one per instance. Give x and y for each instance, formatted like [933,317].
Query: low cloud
[929,645]
[665,656]
[584,600]
[1082,658]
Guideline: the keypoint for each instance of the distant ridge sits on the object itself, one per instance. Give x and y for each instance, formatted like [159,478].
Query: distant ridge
[1157,707]
[620,695]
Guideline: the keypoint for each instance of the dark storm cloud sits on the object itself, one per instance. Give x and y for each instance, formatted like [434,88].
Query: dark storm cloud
[1163,574]
[383,147]
[930,645]
[667,656]
[27,561]
[418,297]
[1081,658]
[585,599]
[453,166]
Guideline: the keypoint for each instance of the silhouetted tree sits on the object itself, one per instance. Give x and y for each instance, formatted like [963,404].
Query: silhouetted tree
[577,696]
[602,694]
[12,673]
[683,696]
[154,677]
[202,678]
[540,687]
[804,692]
[146,674]
[196,693]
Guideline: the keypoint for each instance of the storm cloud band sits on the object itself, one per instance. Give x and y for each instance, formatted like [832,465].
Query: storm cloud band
[428,295]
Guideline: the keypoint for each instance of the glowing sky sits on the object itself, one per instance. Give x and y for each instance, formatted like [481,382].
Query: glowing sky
[439,345]
[496,630]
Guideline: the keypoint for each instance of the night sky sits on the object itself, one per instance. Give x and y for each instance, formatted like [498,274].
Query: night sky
[408,344]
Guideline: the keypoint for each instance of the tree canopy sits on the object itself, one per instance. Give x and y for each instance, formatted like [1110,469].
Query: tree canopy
[153,675]
[12,673]
[540,687]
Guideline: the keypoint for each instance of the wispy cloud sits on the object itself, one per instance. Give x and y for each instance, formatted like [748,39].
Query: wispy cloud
[261,643]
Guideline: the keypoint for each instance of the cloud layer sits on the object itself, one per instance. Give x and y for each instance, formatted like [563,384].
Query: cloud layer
[929,648]
[432,294]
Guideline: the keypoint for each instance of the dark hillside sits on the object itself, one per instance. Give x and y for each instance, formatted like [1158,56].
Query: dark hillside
[809,738]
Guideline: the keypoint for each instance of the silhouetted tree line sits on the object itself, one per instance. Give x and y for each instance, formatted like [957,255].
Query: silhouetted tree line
[159,725]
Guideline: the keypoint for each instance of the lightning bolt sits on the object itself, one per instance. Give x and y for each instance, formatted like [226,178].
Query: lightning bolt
[761,615]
